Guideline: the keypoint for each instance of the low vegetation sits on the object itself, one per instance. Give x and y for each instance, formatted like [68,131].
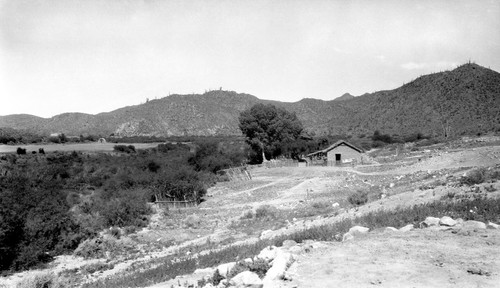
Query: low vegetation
[478,208]
[358,198]
[57,202]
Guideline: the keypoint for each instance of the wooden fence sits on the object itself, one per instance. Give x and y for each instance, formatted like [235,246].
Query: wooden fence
[167,202]
[235,174]
[176,204]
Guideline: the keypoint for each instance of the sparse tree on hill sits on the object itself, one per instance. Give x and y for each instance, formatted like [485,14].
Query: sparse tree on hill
[268,129]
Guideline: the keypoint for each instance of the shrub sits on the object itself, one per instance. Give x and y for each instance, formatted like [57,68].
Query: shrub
[94,267]
[359,198]
[115,232]
[259,267]
[247,215]
[21,151]
[192,221]
[90,248]
[377,136]
[38,280]
[320,205]
[44,280]
[216,278]
[474,177]
[124,148]
[266,211]
[153,166]
[101,246]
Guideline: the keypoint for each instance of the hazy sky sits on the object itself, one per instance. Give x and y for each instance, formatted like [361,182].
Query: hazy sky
[96,56]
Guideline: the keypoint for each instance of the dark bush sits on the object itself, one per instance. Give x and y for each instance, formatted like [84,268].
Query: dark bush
[124,148]
[153,166]
[377,136]
[21,151]
[473,177]
[359,198]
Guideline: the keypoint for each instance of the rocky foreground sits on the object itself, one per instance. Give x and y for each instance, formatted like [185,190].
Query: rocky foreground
[442,252]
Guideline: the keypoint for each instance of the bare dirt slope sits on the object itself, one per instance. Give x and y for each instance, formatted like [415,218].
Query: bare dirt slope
[422,258]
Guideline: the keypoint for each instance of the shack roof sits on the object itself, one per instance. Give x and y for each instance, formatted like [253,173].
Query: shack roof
[333,146]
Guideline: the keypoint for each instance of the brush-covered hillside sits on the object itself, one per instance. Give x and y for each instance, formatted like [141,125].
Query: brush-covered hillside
[463,101]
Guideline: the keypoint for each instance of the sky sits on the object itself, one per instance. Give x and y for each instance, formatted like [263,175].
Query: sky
[94,56]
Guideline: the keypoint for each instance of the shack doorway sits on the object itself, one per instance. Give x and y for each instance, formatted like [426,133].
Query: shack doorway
[338,158]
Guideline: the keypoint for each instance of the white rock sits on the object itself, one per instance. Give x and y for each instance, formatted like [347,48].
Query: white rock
[280,264]
[295,249]
[347,236]
[268,253]
[392,185]
[246,279]
[265,234]
[225,268]
[407,228]
[206,271]
[429,221]
[447,221]
[335,205]
[390,229]
[358,230]
[288,243]
[471,224]
[492,225]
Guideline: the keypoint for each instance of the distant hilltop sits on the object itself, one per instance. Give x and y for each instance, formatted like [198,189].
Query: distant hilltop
[462,101]
[344,97]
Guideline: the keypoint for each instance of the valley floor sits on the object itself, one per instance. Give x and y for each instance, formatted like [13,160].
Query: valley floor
[312,196]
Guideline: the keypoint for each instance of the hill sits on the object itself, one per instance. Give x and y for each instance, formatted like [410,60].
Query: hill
[344,97]
[462,101]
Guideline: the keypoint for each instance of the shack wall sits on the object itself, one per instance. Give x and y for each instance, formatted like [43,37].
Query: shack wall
[347,154]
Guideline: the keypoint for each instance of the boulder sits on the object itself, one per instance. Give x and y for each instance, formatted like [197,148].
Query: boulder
[429,221]
[206,271]
[471,224]
[246,279]
[288,243]
[492,225]
[268,253]
[390,229]
[447,221]
[335,205]
[407,228]
[225,268]
[266,234]
[280,264]
[358,230]
[295,249]
[347,236]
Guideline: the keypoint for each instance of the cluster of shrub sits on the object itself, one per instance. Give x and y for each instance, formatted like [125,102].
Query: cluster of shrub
[51,203]
[12,136]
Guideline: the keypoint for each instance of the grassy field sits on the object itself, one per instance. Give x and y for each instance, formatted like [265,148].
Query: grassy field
[83,147]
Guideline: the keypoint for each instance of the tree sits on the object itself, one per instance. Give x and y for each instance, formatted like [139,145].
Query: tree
[268,129]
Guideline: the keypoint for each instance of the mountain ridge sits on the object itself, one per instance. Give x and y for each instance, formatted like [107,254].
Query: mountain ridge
[465,100]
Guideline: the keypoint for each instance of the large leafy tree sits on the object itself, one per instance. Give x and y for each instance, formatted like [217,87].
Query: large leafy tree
[268,130]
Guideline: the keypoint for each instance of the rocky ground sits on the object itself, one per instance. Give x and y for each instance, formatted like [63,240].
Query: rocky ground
[313,196]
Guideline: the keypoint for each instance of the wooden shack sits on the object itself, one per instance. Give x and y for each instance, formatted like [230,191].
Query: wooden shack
[341,152]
